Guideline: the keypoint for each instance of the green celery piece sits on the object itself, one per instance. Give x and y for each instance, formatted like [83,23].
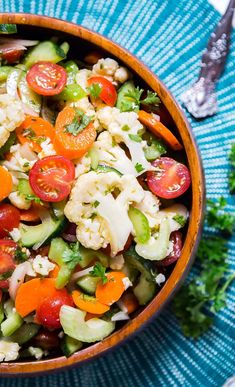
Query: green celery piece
[140,224]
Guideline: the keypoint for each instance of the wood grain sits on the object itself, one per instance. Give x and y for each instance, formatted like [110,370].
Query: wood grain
[197,209]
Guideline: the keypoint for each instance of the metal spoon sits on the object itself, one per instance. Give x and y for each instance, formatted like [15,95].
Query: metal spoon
[200,100]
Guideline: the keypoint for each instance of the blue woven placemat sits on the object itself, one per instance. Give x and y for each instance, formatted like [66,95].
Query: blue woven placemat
[169,36]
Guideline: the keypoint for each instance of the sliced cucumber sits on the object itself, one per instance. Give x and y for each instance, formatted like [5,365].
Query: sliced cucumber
[140,224]
[130,271]
[145,290]
[63,277]
[106,168]
[6,147]
[157,250]
[24,187]
[70,345]
[72,92]
[74,325]
[28,96]
[93,154]
[41,233]
[155,150]
[89,255]
[8,29]
[88,284]
[72,69]
[64,47]
[25,333]
[44,51]
[57,248]
[58,208]
[142,265]
[4,72]
[124,89]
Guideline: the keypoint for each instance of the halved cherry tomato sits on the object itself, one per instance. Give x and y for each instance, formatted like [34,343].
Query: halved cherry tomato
[35,130]
[7,263]
[12,55]
[9,219]
[46,78]
[48,311]
[51,178]
[170,180]
[70,145]
[108,93]
[176,239]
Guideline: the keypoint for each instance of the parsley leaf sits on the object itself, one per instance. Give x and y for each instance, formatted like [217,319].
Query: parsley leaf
[72,256]
[135,137]
[139,167]
[79,122]
[180,219]
[151,99]
[99,271]
[20,255]
[30,134]
[95,90]
[219,219]
[96,203]
[132,99]
[34,198]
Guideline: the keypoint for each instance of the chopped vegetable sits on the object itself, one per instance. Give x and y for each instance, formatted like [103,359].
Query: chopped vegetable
[88,303]
[7,184]
[112,290]
[99,271]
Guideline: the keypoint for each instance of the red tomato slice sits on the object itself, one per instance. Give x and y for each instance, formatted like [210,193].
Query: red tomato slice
[170,180]
[176,239]
[108,93]
[9,219]
[12,55]
[7,263]
[48,311]
[47,78]
[51,178]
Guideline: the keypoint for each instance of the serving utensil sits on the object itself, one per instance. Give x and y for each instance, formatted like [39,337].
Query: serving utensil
[200,100]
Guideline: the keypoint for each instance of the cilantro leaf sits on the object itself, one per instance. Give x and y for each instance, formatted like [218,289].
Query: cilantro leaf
[31,197]
[151,99]
[132,99]
[79,122]
[139,167]
[72,256]
[95,90]
[180,219]
[99,271]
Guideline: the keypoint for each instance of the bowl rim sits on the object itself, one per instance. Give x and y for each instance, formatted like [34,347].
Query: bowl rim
[183,265]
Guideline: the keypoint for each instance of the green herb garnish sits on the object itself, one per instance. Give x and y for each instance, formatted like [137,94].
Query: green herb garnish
[139,167]
[95,90]
[72,256]
[20,255]
[132,99]
[79,122]
[217,218]
[31,197]
[180,219]
[135,137]
[99,271]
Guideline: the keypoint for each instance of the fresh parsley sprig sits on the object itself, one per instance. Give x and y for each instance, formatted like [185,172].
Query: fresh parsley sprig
[99,271]
[132,99]
[72,256]
[79,122]
[218,218]
[232,173]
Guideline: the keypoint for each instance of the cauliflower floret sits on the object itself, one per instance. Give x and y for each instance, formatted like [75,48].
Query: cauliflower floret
[11,116]
[125,127]
[42,265]
[36,352]
[19,200]
[105,67]
[112,155]
[91,198]
[8,350]
[121,75]
[82,165]
[150,207]
[47,149]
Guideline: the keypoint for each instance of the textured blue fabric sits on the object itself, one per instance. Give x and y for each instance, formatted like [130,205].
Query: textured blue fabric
[169,37]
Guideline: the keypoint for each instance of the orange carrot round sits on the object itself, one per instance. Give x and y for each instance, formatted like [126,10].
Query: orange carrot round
[6,183]
[112,290]
[160,130]
[88,303]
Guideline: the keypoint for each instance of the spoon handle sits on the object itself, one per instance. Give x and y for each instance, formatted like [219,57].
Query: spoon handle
[214,58]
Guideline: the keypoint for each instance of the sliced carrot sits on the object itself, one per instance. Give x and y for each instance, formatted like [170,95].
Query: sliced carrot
[67,144]
[88,303]
[34,130]
[113,289]
[6,183]
[54,273]
[93,57]
[27,297]
[160,130]
[130,302]
[31,293]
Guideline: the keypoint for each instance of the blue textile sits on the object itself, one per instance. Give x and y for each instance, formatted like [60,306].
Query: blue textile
[169,36]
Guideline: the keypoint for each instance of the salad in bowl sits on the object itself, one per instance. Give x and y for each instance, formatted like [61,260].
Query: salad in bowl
[91,206]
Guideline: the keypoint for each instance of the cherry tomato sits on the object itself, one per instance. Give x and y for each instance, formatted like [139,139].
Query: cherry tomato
[12,55]
[51,178]
[176,239]
[108,93]
[48,311]
[46,78]
[9,219]
[170,180]
[7,263]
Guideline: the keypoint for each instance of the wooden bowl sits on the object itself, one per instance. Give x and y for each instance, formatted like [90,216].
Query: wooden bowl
[33,27]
